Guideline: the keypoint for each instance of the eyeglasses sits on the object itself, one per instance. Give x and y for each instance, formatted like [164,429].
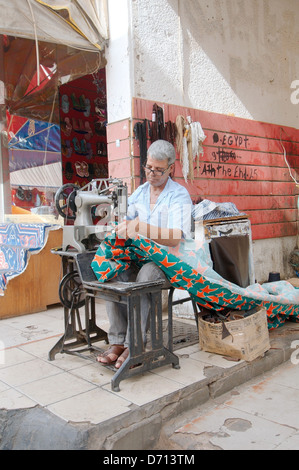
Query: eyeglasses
[156,172]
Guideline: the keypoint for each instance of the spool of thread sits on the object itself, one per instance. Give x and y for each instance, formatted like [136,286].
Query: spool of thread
[273,277]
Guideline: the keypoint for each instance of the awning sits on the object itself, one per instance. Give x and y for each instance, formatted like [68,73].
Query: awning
[47,176]
[75,23]
[45,45]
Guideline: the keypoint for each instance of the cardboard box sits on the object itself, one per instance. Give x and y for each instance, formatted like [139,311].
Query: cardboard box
[247,338]
[294,281]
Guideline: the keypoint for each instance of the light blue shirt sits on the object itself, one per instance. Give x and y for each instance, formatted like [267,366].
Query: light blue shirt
[172,209]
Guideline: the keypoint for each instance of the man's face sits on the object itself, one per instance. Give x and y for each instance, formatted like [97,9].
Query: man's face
[155,178]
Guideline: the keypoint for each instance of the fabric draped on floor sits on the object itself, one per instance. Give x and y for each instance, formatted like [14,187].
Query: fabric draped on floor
[189,267]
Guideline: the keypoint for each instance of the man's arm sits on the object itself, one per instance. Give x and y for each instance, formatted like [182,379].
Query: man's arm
[163,236]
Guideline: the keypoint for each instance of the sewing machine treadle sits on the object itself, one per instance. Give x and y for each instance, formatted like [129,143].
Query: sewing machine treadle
[77,340]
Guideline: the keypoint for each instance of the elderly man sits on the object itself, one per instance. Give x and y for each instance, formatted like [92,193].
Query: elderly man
[160,209]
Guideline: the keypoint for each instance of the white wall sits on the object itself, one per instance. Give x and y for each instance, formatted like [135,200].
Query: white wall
[119,55]
[226,56]
[235,57]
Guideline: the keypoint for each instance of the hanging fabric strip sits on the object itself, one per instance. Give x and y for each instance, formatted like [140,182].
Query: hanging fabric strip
[181,142]
[141,131]
[170,132]
[198,137]
[189,140]
[157,123]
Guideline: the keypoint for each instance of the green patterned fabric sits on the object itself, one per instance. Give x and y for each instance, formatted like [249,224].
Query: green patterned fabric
[189,267]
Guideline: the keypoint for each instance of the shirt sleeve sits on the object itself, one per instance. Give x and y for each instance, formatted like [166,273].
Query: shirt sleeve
[132,211]
[179,212]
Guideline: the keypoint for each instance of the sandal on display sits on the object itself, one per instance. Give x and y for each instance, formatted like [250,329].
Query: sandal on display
[75,102]
[88,130]
[76,145]
[83,147]
[82,169]
[65,104]
[84,166]
[20,193]
[83,104]
[87,107]
[111,355]
[69,172]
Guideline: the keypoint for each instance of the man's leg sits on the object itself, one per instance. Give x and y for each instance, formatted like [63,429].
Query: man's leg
[148,272]
[117,313]
[118,324]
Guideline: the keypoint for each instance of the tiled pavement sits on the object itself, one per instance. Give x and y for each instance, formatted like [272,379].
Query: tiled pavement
[75,394]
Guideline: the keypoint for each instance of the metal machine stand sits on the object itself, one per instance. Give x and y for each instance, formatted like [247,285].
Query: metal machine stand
[86,290]
[72,297]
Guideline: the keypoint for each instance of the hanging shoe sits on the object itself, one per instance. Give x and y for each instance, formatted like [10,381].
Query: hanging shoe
[28,195]
[76,145]
[67,126]
[89,150]
[76,104]
[82,103]
[75,124]
[99,149]
[87,107]
[81,129]
[63,148]
[101,112]
[65,106]
[88,130]
[69,149]
[104,149]
[84,166]
[83,147]
[69,172]
[20,193]
[91,169]
[79,169]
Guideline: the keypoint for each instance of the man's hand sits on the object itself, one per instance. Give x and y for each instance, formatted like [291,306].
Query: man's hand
[128,229]
[163,236]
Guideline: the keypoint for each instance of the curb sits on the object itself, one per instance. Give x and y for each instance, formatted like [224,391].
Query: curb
[140,429]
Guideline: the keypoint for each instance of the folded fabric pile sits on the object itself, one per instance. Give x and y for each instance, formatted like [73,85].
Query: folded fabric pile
[208,210]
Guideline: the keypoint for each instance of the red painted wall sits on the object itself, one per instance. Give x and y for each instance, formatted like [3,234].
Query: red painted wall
[243,163]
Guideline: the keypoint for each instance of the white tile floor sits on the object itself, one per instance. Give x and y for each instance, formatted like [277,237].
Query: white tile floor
[73,388]
[260,415]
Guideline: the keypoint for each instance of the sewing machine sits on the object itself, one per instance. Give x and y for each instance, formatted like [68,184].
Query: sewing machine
[106,199]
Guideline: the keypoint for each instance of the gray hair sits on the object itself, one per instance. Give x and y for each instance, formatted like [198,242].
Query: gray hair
[162,150]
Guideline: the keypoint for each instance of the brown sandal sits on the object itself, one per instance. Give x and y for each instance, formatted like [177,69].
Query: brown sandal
[121,359]
[111,355]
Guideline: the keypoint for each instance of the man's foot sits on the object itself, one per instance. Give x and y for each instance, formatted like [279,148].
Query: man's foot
[111,355]
[121,359]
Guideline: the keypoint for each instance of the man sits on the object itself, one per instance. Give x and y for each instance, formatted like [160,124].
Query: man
[160,209]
